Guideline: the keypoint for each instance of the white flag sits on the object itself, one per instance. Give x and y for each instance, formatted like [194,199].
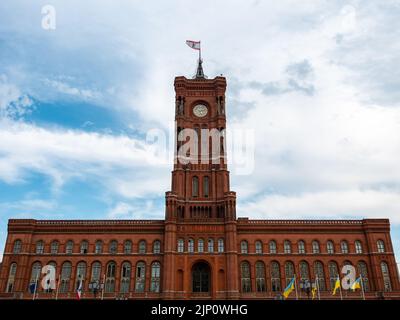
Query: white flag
[193,44]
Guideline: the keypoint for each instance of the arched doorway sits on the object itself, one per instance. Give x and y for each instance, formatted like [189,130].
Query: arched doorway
[201,277]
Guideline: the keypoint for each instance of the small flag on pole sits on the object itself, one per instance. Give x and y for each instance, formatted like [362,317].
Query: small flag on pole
[356,284]
[337,286]
[289,288]
[193,44]
[314,292]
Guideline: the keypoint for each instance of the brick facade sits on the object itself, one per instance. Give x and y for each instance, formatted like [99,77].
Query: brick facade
[201,249]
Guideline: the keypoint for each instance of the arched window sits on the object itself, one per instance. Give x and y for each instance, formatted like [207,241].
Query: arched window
[289,271]
[319,275]
[69,247]
[304,271]
[200,245]
[66,271]
[363,272]
[301,247]
[344,246]
[381,246]
[155,277]
[315,247]
[195,186]
[40,247]
[287,246]
[210,245]
[140,277]
[245,275]
[128,247]
[358,247]
[84,247]
[244,248]
[259,248]
[96,272]
[125,277]
[54,247]
[333,273]
[221,245]
[386,277]
[80,274]
[275,277]
[156,247]
[98,247]
[113,247]
[142,246]
[181,245]
[11,278]
[36,272]
[206,187]
[330,248]
[110,277]
[272,247]
[191,245]
[17,246]
[260,276]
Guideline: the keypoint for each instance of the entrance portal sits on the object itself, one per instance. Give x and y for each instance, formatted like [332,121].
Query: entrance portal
[201,277]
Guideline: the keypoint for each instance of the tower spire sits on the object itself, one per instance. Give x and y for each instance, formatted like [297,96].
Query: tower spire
[200,72]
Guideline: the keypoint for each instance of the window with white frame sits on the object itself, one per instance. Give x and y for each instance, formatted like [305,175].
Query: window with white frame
[358,247]
[301,247]
[287,246]
[259,248]
[191,245]
[200,245]
[221,245]
[210,247]
[181,245]
[244,247]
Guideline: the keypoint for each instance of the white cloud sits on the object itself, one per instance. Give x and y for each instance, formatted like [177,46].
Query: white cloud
[65,88]
[31,205]
[63,154]
[342,204]
[123,210]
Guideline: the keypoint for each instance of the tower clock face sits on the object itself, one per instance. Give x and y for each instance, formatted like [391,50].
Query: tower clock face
[200,110]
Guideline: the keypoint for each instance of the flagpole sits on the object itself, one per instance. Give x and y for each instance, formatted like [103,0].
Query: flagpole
[199,51]
[362,288]
[36,284]
[104,286]
[316,281]
[58,286]
[340,288]
[295,287]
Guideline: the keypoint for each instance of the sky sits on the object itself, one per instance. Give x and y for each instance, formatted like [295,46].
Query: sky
[316,82]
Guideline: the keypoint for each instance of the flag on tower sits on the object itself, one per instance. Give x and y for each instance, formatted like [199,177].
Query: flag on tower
[193,44]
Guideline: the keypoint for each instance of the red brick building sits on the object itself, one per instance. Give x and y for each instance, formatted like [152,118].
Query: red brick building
[200,250]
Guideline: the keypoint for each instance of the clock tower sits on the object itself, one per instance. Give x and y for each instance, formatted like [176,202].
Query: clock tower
[200,201]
